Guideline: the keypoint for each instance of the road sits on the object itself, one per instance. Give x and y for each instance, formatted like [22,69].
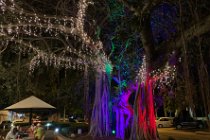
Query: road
[184,134]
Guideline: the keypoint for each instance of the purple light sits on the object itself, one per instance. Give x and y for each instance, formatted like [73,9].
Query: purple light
[100,119]
[124,111]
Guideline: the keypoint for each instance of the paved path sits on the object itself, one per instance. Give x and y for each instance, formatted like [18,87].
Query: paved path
[184,134]
[49,135]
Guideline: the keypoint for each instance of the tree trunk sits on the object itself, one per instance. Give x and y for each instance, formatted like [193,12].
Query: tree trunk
[204,85]
[18,76]
[202,70]
[148,43]
[86,94]
[100,119]
[188,83]
[143,127]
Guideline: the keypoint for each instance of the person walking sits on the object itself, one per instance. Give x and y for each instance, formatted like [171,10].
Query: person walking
[12,134]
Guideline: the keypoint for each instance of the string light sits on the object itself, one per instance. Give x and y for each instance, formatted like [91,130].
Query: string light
[166,75]
[142,74]
[33,25]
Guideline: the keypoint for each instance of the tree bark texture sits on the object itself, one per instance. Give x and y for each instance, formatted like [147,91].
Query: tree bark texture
[86,94]
[144,127]
[201,67]
[188,81]
[100,119]
[204,85]
[148,43]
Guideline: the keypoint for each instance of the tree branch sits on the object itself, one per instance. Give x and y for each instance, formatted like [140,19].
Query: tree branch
[1,51]
[67,30]
[168,47]
[129,5]
[146,9]
[194,31]
[141,9]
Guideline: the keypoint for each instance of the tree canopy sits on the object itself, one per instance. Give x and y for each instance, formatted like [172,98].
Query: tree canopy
[59,40]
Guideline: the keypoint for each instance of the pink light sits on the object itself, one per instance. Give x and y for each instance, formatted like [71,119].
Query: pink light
[151,112]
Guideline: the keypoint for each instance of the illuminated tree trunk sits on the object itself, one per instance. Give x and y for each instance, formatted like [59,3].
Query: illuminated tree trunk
[123,111]
[120,125]
[100,119]
[143,127]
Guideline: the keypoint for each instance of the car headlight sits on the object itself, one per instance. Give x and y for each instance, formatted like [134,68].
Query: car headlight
[48,124]
[56,130]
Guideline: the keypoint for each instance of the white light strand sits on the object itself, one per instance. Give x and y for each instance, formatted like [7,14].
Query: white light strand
[59,25]
[56,61]
[34,25]
[50,59]
[80,15]
[142,74]
[166,75]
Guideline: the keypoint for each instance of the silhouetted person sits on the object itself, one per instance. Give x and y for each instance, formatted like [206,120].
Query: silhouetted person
[39,132]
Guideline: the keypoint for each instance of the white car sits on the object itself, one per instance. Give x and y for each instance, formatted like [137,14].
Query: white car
[164,122]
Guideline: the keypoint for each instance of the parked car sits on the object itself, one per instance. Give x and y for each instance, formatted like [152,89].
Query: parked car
[66,127]
[5,124]
[187,123]
[18,120]
[164,122]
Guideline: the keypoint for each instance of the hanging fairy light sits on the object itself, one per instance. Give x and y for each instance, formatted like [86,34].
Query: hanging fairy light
[35,25]
[56,61]
[165,75]
[50,23]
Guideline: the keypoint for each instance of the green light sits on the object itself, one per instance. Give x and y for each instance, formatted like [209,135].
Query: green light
[124,83]
[108,68]
[113,131]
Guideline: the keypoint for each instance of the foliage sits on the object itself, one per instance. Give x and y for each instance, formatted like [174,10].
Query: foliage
[48,83]
[27,34]
[121,25]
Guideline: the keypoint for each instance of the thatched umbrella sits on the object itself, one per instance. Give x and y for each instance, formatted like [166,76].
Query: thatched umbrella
[30,104]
